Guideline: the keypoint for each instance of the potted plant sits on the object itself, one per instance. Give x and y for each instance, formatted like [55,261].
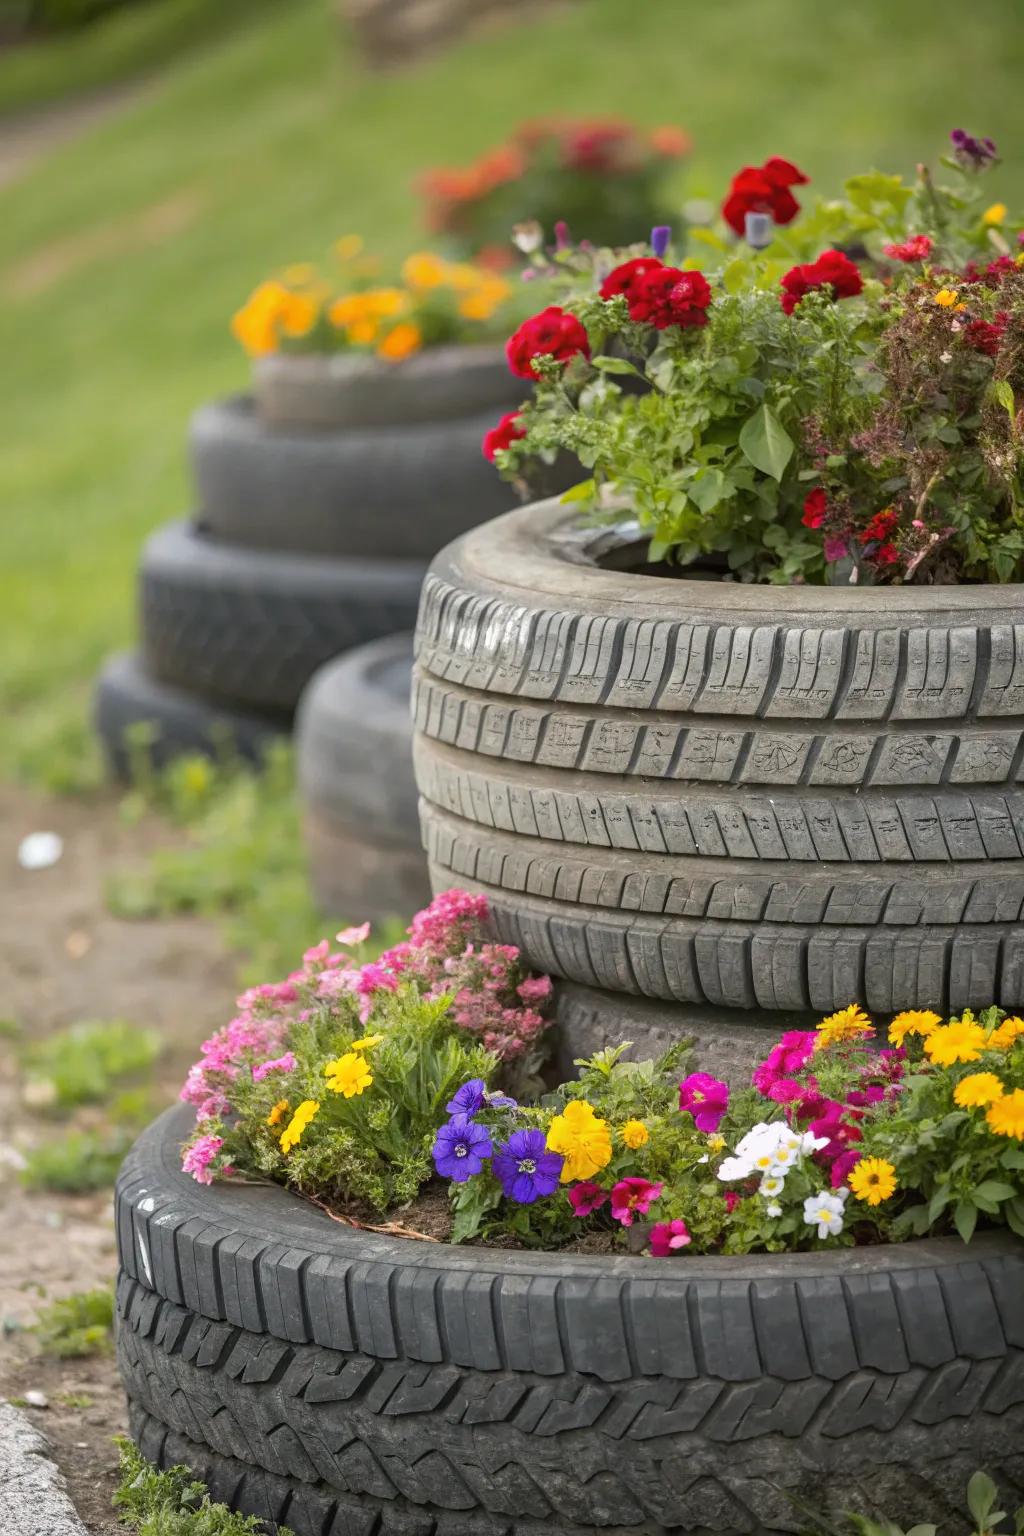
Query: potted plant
[736,724]
[669,1306]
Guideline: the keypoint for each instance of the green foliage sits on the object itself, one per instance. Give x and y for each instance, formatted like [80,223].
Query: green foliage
[77,1325]
[76,1162]
[172,1503]
[982,1497]
[81,1063]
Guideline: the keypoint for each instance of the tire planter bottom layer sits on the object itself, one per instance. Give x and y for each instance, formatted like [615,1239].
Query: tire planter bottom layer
[126,697]
[357,876]
[351,1384]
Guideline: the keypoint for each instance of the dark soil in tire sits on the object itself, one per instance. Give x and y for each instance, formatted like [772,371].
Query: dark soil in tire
[350,1383]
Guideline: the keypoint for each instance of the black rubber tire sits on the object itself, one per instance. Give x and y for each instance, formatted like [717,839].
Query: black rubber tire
[363,1384]
[319,391]
[815,789]
[354,758]
[126,697]
[251,626]
[368,492]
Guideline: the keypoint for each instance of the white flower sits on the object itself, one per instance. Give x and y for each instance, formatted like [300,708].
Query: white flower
[768,1148]
[825,1212]
[733,1168]
[774,1209]
[772,1184]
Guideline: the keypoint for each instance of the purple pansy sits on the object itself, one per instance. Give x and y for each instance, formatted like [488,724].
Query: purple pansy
[460,1149]
[469,1100]
[525,1169]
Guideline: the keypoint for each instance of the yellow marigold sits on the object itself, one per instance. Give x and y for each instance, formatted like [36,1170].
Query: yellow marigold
[363,333]
[978,1089]
[386,302]
[995,213]
[946,297]
[635,1134]
[423,269]
[848,1024]
[402,341]
[298,314]
[1004,1034]
[348,247]
[255,325]
[482,302]
[367,1042]
[292,1133]
[279,1109]
[1006,1116]
[584,1141]
[873,1180]
[915,1021]
[959,1040]
[464,276]
[349,1074]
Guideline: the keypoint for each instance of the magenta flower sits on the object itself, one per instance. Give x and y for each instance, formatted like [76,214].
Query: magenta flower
[843,1165]
[667,1236]
[786,1090]
[633,1197]
[705,1098]
[587,1197]
[199,1156]
[789,1056]
[534,989]
[285,1063]
[732,1200]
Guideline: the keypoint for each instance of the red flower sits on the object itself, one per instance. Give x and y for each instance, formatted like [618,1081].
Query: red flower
[669,296]
[633,1197]
[763,189]
[599,147]
[886,554]
[503,435]
[915,248]
[831,270]
[815,508]
[881,525]
[627,277]
[554,330]
[667,1236]
[984,335]
[732,1200]
[587,1197]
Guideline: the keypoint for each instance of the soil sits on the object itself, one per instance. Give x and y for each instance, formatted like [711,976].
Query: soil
[63,957]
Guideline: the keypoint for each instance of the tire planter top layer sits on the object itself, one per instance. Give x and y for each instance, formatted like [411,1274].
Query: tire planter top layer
[346,390]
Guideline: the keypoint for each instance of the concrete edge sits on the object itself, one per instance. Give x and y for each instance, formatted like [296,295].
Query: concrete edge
[33,1493]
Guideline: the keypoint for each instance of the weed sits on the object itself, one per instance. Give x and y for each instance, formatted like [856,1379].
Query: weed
[80,1064]
[76,1162]
[172,1503]
[77,1325]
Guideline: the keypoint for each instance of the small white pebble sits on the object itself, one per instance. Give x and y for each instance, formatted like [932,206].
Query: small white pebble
[37,1399]
[40,850]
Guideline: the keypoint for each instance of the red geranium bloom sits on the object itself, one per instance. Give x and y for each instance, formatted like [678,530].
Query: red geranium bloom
[763,189]
[915,248]
[886,554]
[815,508]
[831,270]
[555,331]
[881,525]
[670,296]
[599,146]
[984,335]
[503,435]
[627,277]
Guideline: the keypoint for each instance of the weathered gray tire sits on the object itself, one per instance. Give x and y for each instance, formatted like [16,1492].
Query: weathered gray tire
[354,755]
[350,1384]
[346,390]
[127,698]
[251,626]
[368,492]
[785,798]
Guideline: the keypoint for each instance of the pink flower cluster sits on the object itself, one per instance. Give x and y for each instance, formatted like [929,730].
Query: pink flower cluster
[199,1157]
[629,1198]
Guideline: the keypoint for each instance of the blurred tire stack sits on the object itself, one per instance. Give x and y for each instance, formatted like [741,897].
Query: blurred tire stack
[321,498]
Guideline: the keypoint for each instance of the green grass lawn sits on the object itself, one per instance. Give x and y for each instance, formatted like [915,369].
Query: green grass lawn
[122,256]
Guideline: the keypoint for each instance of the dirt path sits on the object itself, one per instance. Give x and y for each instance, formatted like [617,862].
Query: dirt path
[27,139]
[64,958]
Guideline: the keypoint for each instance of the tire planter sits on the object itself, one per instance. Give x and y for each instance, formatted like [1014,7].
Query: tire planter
[719,794]
[354,756]
[350,1384]
[126,697]
[251,627]
[365,491]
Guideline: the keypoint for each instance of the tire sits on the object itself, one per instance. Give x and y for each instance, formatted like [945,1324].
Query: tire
[346,1382]
[671,793]
[127,698]
[344,390]
[365,492]
[354,754]
[252,627]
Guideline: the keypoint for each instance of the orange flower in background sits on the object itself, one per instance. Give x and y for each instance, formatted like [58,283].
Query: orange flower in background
[485,299]
[401,342]
[424,269]
[670,141]
[255,325]
[299,313]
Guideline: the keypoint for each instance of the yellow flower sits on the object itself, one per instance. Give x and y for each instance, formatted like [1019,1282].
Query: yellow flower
[583,1140]
[424,270]
[481,303]
[716,1144]
[367,1042]
[994,214]
[1004,1034]
[348,247]
[915,1021]
[348,1075]
[362,333]
[279,1109]
[464,276]
[298,313]
[848,1024]
[400,342]
[873,1180]
[255,325]
[292,1133]
[959,1040]
[385,302]
[947,297]
[1006,1116]
[978,1089]
[635,1134]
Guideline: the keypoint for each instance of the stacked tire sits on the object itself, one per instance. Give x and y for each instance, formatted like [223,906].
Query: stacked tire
[729,802]
[321,498]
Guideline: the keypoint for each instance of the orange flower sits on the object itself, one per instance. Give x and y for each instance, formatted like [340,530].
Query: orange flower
[402,341]
[255,325]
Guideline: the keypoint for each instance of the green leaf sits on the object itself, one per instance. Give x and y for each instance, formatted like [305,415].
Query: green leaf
[1003,392]
[1014,1158]
[994,1189]
[981,1497]
[615,365]
[874,189]
[583,491]
[766,443]
[965,1219]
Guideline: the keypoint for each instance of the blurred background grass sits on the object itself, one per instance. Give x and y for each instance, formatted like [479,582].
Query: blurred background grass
[259,140]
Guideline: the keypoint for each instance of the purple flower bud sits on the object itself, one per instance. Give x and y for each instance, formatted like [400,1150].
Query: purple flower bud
[973,154]
[661,234]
